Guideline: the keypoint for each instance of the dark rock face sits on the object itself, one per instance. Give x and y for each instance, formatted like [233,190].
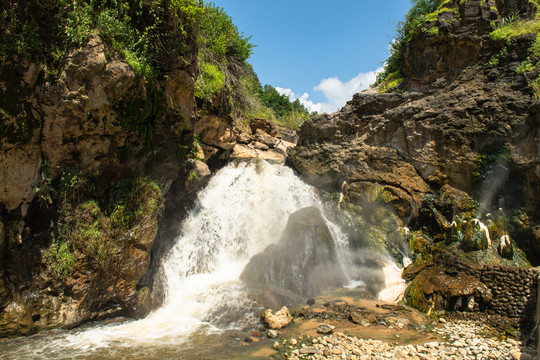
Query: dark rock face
[454,113]
[304,261]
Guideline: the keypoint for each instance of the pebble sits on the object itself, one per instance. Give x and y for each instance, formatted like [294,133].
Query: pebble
[462,341]
[325,329]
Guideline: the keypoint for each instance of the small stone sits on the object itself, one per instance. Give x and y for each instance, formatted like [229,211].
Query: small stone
[442,320]
[308,350]
[272,334]
[325,329]
[513,342]
[293,342]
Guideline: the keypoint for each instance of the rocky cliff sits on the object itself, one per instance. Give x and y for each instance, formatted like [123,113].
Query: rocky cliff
[104,141]
[456,140]
[86,159]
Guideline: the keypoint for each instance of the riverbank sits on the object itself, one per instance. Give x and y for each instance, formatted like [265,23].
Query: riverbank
[462,340]
[367,329]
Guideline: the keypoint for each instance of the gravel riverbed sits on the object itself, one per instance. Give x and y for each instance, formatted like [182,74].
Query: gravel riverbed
[461,340]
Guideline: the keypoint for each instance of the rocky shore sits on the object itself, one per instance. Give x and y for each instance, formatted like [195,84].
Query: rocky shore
[460,340]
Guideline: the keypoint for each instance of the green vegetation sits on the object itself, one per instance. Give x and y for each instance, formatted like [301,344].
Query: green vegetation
[93,231]
[150,35]
[414,23]
[283,111]
[224,69]
[60,259]
[512,27]
[210,81]
[494,61]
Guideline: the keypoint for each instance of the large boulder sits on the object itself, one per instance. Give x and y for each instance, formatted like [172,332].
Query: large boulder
[304,261]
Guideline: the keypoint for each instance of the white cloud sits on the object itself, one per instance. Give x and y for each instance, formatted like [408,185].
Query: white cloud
[336,92]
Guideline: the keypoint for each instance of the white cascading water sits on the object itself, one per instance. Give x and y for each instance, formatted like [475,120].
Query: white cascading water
[243,209]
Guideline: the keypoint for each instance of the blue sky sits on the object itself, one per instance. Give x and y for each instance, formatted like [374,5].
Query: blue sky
[319,51]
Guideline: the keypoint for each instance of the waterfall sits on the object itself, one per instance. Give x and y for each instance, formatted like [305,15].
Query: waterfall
[243,209]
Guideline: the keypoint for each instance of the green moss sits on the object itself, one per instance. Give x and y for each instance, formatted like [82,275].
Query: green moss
[514,29]
[96,230]
[133,199]
[433,31]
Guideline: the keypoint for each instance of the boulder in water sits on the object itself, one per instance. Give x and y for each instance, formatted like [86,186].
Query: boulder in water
[305,261]
[280,319]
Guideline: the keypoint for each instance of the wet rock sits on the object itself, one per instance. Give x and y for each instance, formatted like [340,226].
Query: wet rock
[434,289]
[308,350]
[430,137]
[198,174]
[476,236]
[304,261]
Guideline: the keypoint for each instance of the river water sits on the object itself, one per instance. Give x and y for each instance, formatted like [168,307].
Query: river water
[242,210]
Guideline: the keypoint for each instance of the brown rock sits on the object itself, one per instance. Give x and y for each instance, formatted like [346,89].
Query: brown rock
[266,139]
[215,131]
[262,124]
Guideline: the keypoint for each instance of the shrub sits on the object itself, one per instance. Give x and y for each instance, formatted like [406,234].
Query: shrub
[209,82]
[512,27]
[60,259]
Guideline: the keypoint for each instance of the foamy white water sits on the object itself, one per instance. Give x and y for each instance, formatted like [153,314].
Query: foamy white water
[243,209]
[394,284]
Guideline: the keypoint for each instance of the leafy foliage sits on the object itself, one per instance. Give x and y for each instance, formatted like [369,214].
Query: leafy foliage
[420,12]
[60,258]
[287,113]
[97,231]
[512,27]
[210,81]
[220,40]
[150,35]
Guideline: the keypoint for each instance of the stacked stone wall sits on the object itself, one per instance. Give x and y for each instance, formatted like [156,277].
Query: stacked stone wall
[514,290]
